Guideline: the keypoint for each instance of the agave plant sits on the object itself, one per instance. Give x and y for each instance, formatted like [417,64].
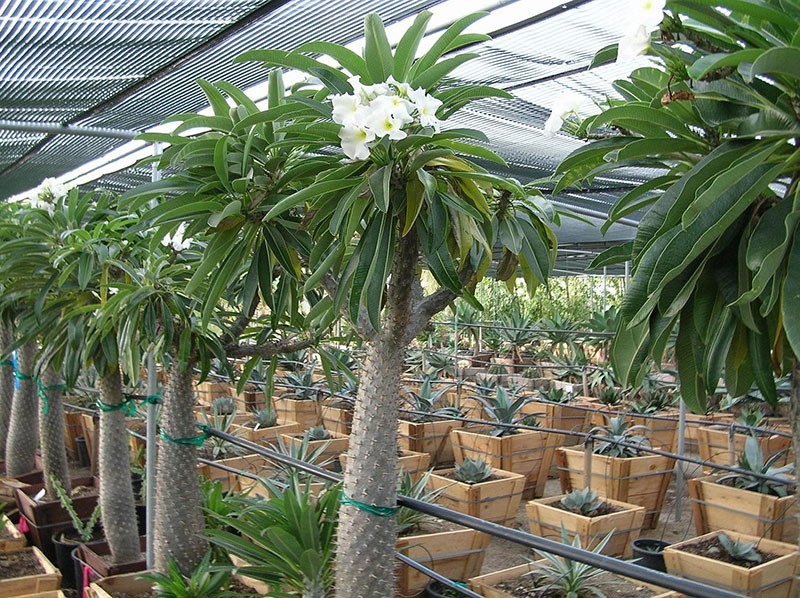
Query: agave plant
[473,471]
[506,408]
[517,330]
[266,417]
[752,461]
[409,520]
[739,550]
[583,502]
[555,395]
[301,385]
[620,431]
[206,581]
[427,401]
[317,433]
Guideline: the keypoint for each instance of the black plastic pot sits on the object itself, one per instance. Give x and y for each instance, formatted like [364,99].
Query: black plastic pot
[63,552]
[83,451]
[650,553]
[436,589]
[81,571]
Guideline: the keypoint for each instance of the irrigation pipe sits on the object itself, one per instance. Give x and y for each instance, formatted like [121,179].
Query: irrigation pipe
[567,551]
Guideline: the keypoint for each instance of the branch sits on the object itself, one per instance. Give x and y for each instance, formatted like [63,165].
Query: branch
[271,348]
[431,305]
[362,326]
[238,327]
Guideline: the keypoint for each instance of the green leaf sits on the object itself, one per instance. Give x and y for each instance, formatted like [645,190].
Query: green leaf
[477,151]
[407,46]
[636,199]
[218,102]
[790,307]
[221,162]
[443,43]
[233,208]
[777,61]
[738,369]
[648,121]
[344,56]
[629,351]
[379,182]
[604,56]
[759,344]
[432,76]
[377,50]
[693,387]
[292,60]
[312,191]
[711,62]
[618,254]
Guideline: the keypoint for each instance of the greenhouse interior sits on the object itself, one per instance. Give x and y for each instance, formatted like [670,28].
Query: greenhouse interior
[375,299]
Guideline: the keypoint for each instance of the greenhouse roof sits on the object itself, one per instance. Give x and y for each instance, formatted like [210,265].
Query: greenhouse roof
[117,68]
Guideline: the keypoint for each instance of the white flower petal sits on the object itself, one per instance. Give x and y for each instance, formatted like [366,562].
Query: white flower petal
[355,141]
[633,45]
[553,125]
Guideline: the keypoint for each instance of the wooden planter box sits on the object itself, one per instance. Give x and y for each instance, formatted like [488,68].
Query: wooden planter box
[72,430]
[334,446]
[546,520]
[455,554]
[639,480]
[232,481]
[16,541]
[528,452]
[128,582]
[413,463]
[251,400]
[715,446]
[774,579]
[662,433]
[493,500]
[428,437]
[32,584]
[305,413]
[97,555]
[265,436]
[337,419]
[209,390]
[717,506]
[9,486]
[484,584]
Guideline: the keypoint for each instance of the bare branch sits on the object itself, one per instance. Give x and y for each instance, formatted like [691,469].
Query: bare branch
[427,307]
[240,324]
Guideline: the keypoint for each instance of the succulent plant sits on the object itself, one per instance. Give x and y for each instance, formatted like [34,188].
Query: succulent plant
[751,417]
[555,395]
[752,461]
[583,502]
[473,471]
[610,396]
[505,409]
[317,433]
[223,406]
[301,385]
[738,550]
[266,417]
[426,402]
[618,431]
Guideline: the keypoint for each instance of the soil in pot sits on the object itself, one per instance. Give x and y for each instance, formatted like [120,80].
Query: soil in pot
[64,542]
[19,564]
[712,548]
[604,509]
[611,585]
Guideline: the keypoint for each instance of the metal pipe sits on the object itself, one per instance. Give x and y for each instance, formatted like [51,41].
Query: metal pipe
[59,129]
[680,480]
[567,551]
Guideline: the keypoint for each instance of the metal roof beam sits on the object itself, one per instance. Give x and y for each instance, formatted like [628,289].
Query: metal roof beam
[59,129]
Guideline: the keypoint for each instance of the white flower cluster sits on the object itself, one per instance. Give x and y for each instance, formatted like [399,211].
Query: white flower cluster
[46,193]
[176,241]
[566,103]
[644,17]
[372,112]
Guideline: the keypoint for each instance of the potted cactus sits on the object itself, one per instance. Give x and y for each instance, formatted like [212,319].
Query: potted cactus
[747,504]
[584,513]
[476,488]
[740,563]
[524,451]
[623,472]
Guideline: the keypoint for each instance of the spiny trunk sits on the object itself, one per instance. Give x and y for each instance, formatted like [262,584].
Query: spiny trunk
[117,502]
[23,429]
[794,418]
[366,542]
[51,431]
[6,384]
[179,523]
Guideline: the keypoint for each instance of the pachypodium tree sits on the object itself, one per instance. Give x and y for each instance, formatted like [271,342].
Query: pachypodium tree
[223,182]
[716,253]
[404,198]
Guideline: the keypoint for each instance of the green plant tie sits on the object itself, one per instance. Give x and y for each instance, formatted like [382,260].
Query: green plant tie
[43,394]
[7,362]
[147,400]
[21,376]
[127,405]
[188,441]
[371,509]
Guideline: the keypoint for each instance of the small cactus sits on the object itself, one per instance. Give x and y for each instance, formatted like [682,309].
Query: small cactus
[223,406]
[473,471]
[738,550]
[583,502]
[317,433]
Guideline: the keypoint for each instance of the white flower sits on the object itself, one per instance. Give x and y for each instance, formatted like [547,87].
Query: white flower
[633,44]
[649,13]
[41,204]
[566,103]
[426,105]
[177,241]
[345,107]
[383,124]
[355,140]
[398,107]
[403,89]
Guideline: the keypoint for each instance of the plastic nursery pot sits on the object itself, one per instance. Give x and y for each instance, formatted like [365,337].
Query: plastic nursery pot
[650,553]
[436,589]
